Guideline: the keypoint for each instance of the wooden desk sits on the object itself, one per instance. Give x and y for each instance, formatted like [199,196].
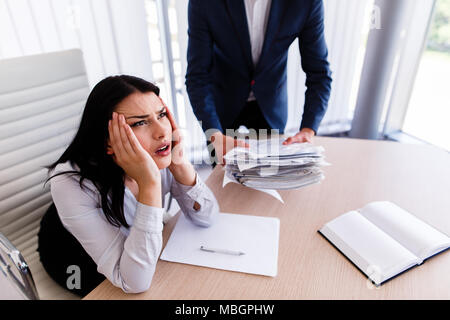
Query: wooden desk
[416,178]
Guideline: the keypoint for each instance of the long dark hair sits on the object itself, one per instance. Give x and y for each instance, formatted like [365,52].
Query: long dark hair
[88,148]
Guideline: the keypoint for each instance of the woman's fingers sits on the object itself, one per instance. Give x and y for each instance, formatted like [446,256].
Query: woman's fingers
[171,119]
[117,143]
[176,134]
[124,136]
[118,138]
[113,138]
[134,142]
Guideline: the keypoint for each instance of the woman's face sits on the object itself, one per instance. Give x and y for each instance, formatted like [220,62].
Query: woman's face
[147,117]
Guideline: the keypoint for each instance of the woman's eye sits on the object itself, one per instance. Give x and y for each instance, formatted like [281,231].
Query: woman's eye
[162,115]
[138,124]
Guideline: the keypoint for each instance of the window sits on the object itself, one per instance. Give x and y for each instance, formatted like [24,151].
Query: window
[429,107]
[156,49]
[167,30]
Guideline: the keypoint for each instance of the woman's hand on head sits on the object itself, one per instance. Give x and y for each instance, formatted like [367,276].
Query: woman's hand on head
[177,153]
[130,155]
[181,168]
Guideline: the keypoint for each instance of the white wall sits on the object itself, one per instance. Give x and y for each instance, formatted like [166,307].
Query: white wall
[111,33]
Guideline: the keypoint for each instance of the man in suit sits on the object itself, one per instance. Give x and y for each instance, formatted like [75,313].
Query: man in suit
[237,57]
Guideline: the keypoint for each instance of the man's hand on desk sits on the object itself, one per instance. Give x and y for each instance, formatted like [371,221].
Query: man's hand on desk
[304,135]
[223,144]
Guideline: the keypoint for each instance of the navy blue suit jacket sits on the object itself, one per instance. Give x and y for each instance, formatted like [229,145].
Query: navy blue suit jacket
[220,72]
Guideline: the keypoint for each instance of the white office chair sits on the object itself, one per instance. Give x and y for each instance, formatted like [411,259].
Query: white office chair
[16,281]
[41,100]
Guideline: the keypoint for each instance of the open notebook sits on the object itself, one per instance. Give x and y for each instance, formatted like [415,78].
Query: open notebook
[383,240]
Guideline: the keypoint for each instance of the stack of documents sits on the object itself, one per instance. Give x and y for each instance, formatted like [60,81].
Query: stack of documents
[268,164]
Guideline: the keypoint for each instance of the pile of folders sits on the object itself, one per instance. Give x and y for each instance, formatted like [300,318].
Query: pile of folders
[268,164]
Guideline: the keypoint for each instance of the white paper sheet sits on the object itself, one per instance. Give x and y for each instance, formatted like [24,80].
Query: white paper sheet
[256,236]
[271,192]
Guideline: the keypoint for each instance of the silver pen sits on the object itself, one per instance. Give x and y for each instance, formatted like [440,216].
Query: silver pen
[224,251]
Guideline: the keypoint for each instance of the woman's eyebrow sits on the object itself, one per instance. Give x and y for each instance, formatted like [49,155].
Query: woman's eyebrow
[162,110]
[139,117]
[146,115]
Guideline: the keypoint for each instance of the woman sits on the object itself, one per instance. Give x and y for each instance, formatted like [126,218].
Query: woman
[108,189]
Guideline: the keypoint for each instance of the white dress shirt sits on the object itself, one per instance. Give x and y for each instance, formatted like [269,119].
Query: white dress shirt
[257,16]
[127,257]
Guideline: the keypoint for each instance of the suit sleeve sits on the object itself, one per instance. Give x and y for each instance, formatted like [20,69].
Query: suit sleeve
[200,61]
[314,53]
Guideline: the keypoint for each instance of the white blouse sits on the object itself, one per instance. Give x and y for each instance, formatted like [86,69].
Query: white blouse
[127,257]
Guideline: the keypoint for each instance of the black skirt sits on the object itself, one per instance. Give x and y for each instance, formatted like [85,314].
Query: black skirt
[63,257]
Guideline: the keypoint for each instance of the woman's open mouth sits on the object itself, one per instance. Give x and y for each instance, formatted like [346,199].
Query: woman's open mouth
[164,150]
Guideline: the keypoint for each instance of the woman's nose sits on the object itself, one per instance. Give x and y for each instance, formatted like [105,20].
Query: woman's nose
[161,131]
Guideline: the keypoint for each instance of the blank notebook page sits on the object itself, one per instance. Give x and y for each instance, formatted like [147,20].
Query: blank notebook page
[367,245]
[414,234]
[256,236]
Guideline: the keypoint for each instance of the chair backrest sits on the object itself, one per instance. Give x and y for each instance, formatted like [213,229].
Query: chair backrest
[41,101]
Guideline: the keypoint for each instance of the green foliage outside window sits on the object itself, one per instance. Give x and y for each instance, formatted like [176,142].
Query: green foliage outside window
[439,39]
